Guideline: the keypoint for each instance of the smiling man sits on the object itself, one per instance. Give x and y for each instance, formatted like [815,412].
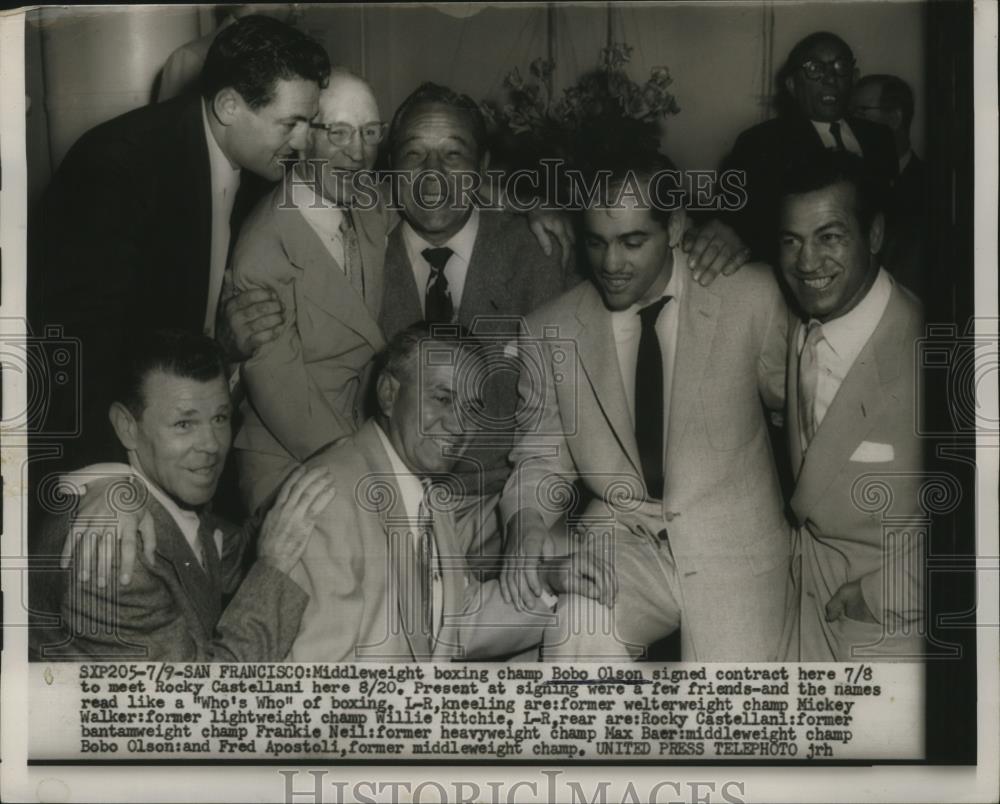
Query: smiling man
[816,81]
[664,431]
[134,230]
[387,578]
[858,592]
[172,416]
[323,261]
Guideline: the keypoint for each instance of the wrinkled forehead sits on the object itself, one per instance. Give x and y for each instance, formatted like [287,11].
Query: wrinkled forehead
[348,100]
[437,121]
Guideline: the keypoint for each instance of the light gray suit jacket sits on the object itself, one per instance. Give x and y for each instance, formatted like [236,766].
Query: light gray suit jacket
[856,499]
[363,596]
[721,503]
[306,388]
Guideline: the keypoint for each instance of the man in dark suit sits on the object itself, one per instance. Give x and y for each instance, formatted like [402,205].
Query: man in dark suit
[888,100]
[172,416]
[135,227]
[817,77]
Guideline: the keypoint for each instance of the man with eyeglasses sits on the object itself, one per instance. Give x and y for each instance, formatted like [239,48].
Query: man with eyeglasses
[320,251]
[817,80]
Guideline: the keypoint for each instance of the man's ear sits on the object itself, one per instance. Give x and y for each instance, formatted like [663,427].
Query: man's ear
[226,105]
[126,427]
[876,233]
[790,85]
[386,391]
[896,116]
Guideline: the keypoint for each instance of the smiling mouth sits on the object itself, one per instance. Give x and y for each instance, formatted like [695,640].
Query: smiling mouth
[615,282]
[819,283]
[828,99]
[205,471]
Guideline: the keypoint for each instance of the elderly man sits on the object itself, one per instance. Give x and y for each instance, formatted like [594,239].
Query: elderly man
[858,584]
[888,100]
[645,390]
[817,78]
[171,414]
[134,230]
[323,261]
[386,577]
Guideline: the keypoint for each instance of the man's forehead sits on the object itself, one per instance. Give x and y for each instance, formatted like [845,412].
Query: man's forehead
[834,203]
[437,120]
[827,49]
[165,390]
[345,98]
[294,97]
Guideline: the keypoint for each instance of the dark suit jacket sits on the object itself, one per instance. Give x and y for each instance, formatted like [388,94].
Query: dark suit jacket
[171,610]
[509,276]
[122,242]
[904,252]
[764,152]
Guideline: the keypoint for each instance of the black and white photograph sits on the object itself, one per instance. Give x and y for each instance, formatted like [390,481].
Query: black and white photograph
[500,402]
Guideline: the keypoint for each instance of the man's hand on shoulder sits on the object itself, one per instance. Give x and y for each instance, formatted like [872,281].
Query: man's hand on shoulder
[713,249]
[291,520]
[549,226]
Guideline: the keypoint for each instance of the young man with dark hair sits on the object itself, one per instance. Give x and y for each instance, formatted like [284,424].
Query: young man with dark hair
[665,431]
[135,227]
[171,414]
[858,593]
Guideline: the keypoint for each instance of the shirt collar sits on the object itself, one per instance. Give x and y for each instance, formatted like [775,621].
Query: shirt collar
[848,334]
[409,484]
[317,209]
[461,243]
[224,175]
[904,160]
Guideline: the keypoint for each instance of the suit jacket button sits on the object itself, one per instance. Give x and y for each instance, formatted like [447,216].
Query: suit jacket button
[663,536]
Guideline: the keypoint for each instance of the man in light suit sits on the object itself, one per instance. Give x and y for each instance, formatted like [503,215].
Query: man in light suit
[816,85]
[323,261]
[851,386]
[172,416]
[386,576]
[647,390]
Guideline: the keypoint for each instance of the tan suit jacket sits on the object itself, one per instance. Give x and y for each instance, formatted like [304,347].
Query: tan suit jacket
[721,503]
[856,499]
[364,597]
[305,388]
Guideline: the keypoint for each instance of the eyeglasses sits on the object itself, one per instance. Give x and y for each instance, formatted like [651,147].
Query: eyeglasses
[342,134]
[815,70]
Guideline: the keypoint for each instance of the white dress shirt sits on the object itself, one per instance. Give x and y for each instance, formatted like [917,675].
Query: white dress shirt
[225,180]
[829,141]
[627,328]
[324,219]
[842,342]
[457,268]
[412,491]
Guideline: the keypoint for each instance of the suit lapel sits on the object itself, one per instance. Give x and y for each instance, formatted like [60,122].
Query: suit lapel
[336,296]
[792,424]
[397,527]
[599,359]
[195,271]
[203,591]
[401,305]
[488,279]
[697,318]
[854,411]
[372,242]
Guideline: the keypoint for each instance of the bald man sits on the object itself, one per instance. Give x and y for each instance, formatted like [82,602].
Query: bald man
[323,261]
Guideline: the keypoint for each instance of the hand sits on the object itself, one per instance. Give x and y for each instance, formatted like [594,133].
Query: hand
[713,249]
[581,573]
[527,541]
[556,224]
[248,320]
[92,535]
[850,602]
[290,522]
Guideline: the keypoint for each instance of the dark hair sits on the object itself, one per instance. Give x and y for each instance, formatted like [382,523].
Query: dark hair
[255,52]
[894,94]
[624,150]
[183,354]
[831,167]
[429,92]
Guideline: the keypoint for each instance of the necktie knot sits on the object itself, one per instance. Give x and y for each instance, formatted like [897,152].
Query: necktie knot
[437,258]
[651,312]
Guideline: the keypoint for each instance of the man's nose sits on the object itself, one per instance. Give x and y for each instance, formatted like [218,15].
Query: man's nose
[809,259]
[300,136]
[210,440]
[613,261]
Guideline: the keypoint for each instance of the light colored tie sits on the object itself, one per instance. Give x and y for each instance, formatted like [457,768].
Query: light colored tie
[808,383]
[352,254]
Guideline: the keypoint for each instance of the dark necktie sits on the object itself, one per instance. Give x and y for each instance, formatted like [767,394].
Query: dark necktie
[425,563]
[649,400]
[835,130]
[353,265]
[438,308]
